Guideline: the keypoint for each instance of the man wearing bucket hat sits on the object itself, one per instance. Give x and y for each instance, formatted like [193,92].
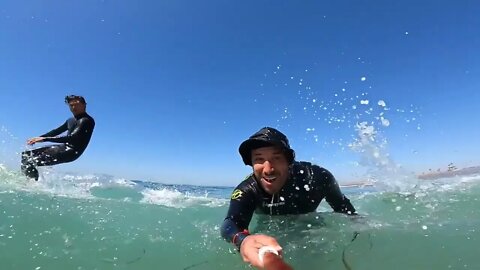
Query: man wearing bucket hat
[279,185]
[69,147]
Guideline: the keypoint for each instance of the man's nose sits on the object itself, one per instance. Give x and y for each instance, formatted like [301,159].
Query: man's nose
[267,167]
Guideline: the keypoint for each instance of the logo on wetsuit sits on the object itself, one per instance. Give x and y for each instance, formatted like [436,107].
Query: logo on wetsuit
[266,204]
[236,194]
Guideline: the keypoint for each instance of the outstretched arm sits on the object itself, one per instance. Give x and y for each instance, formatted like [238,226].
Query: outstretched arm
[83,127]
[333,194]
[57,131]
[235,226]
[242,205]
[51,133]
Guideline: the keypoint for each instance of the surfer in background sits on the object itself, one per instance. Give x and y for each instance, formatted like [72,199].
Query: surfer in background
[279,185]
[79,130]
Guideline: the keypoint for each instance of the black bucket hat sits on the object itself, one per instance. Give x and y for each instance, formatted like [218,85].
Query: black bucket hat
[266,136]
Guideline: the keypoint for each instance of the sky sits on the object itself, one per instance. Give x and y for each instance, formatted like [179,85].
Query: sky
[175,86]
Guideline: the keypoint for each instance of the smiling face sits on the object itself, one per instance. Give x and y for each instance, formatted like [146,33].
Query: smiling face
[270,167]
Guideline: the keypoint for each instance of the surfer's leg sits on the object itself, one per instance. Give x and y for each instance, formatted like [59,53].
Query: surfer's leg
[29,162]
[45,156]
[58,154]
[28,168]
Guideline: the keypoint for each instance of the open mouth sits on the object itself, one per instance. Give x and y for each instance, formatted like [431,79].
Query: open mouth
[270,179]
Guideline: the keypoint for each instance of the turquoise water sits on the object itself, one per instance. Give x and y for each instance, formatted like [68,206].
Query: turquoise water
[99,222]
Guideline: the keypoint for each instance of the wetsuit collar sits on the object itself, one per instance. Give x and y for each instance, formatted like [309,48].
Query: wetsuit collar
[80,115]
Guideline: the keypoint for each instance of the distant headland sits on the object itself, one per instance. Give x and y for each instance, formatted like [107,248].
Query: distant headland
[451,171]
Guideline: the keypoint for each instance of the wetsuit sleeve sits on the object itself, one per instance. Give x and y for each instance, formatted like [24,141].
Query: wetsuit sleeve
[333,194]
[56,131]
[84,127]
[240,212]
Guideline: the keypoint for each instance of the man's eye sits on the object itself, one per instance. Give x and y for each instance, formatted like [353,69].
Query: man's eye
[258,160]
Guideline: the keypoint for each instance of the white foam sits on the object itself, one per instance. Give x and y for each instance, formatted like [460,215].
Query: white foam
[177,199]
[59,183]
[470,178]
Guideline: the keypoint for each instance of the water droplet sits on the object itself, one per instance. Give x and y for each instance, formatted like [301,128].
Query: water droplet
[364,102]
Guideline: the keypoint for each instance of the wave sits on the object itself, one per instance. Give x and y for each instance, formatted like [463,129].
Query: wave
[103,186]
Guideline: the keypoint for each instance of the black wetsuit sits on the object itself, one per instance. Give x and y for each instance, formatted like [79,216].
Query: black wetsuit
[306,187]
[79,131]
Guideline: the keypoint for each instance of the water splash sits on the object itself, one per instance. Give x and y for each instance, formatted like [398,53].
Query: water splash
[104,186]
[373,151]
[356,121]
[174,198]
[10,147]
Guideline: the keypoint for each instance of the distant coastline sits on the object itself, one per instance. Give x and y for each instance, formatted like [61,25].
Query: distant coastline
[356,184]
[452,172]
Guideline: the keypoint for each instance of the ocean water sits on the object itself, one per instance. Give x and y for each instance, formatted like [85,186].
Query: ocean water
[68,221]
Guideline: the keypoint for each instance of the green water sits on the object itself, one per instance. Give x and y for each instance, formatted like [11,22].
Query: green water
[423,230]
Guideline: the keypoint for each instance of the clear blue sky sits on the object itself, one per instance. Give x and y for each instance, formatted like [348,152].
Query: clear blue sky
[175,86]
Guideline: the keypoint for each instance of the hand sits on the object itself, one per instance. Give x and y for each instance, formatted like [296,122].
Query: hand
[252,243]
[274,262]
[34,140]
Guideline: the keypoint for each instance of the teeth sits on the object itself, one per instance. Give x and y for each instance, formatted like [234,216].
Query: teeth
[270,179]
